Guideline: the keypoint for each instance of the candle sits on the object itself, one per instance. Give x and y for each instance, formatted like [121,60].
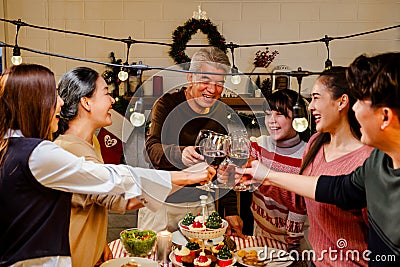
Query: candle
[164,245]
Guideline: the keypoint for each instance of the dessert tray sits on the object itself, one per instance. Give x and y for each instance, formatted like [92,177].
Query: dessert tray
[179,264]
[204,234]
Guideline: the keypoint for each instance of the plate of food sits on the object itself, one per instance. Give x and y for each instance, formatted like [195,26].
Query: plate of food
[261,256]
[130,262]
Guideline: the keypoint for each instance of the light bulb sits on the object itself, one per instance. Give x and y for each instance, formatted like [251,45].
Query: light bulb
[235,79]
[16,60]
[137,119]
[123,75]
[300,124]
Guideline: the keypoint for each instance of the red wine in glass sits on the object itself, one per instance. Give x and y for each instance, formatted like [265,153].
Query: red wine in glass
[214,158]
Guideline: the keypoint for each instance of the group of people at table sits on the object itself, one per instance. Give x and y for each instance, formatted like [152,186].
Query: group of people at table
[55,196]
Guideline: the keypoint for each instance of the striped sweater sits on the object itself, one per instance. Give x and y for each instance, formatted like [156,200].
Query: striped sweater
[279,215]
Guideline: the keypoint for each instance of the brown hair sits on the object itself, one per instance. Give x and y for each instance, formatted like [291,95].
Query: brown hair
[27,102]
[284,100]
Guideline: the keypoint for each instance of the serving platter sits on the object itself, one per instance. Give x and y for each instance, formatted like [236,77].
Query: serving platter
[179,239]
[203,234]
[270,257]
[142,262]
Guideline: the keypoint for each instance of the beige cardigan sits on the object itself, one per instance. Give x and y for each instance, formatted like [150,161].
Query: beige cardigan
[89,213]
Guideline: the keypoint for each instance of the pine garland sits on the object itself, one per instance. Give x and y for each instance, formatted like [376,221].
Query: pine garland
[183,34]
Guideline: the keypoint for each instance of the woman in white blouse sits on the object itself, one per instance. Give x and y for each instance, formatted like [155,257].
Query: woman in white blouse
[37,177]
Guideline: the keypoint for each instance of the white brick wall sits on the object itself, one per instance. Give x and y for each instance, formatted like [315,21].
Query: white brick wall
[242,22]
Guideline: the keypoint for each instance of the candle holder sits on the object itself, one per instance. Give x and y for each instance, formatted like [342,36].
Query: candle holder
[163,245]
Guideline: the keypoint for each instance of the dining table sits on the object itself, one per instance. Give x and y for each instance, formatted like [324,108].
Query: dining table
[118,250]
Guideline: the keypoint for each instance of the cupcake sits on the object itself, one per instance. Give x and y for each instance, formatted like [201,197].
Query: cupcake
[218,247]
[224,257]
[194,248]
[188,220]
[214,221]
[179,253]
[202,261]
[187,261]
[213,259]
[198,224]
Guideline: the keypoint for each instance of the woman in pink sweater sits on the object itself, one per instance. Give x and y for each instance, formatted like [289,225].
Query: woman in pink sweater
[334,150]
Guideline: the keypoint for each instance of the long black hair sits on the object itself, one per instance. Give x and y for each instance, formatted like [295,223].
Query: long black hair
[73,85]
[335,81]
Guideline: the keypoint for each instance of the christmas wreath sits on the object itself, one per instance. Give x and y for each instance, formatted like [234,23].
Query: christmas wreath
[182,35]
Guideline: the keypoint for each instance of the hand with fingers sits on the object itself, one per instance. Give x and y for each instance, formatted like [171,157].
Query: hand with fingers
[256,170]
[190,156]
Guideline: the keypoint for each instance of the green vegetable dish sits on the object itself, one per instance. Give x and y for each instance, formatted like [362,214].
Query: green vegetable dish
[138,243]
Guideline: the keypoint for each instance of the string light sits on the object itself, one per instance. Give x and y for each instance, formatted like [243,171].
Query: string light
[328,62]
[137,118]
[299,122]
[130,41]
[123,75]
[235,79]
[16,58]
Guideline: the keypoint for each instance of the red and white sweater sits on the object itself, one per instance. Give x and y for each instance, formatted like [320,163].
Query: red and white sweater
[279,214]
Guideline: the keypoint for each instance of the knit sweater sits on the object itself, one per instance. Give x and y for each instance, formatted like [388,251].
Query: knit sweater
[331,228]
[279,214]
[89,213]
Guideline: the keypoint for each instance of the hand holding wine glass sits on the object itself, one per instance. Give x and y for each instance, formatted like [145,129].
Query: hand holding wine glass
[192,155]
[239,153]
[213,147]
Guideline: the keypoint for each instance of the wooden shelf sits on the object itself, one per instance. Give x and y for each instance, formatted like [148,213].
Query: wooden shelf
[244,103]
[237,103]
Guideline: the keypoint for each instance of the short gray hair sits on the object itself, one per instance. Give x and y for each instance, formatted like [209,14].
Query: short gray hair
[212,55]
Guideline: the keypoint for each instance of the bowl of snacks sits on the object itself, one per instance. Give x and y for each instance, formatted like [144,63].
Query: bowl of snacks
[138,243]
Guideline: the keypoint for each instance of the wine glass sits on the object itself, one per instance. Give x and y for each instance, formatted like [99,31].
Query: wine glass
[199,143]
[214,148]
[239,153]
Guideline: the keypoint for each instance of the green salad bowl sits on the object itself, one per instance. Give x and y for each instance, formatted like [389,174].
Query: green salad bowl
[138,243]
